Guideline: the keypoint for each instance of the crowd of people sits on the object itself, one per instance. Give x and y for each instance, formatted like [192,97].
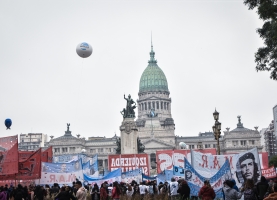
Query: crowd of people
[148,190]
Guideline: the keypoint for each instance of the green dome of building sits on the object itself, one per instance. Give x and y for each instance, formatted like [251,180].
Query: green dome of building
[153,78]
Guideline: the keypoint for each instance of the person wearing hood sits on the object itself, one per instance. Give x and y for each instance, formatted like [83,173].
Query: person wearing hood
[81,193]
[206,192]
[229,192]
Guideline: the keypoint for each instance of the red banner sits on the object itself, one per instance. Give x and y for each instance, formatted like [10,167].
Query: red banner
[24,155]
[167,158]
[269,173]
[129,162]
[8,155]
[31,168]
[47,155]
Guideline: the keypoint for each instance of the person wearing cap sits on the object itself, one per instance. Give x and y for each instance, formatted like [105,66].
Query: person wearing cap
[249,168]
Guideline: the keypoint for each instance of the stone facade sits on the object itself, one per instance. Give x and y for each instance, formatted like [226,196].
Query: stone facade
[241,139]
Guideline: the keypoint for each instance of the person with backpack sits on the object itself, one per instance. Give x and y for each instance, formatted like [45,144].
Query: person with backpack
[229,192]
[249,191]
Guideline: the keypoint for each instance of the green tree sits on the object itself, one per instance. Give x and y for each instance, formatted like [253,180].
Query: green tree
[273,161]
[266,57]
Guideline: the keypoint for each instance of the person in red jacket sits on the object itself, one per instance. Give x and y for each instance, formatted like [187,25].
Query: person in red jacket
[206,192]
[116,191]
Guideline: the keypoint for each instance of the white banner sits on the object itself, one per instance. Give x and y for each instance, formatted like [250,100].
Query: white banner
[243,166]
[61,173]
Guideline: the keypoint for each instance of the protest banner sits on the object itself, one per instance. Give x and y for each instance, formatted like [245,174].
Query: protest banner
[167,158]
[208,165]
[91,170]
[47,155]
[128,177]
[129,162]
[196,181]
[62,173]
[269,173]
[109,178]
[30,168]
[8,156]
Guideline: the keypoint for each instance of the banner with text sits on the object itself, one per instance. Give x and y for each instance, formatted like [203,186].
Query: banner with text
[62,173]
[208,165]
[129,162]
[196,181]
[167,158]
[269,173]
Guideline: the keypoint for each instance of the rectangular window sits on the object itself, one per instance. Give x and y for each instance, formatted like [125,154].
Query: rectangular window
[57,150]
[207,145]
[192,146]
[101,150]
[235,143]
[64,149]
[72,149]
[251,142]
[243,142]
[214,145]
[92,150]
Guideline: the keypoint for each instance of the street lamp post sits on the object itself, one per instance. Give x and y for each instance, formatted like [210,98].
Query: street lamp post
[216,130]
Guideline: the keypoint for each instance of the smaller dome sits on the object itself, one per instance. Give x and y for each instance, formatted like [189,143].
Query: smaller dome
[153,77]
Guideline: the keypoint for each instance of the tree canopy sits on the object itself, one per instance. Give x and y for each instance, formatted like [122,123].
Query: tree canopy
[266,56]
[273,161]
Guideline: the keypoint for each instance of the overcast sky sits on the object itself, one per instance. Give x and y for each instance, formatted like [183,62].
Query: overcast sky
[205,48]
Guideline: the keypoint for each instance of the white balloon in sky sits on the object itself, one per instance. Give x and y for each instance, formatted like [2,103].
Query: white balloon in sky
[84,50]
[182,144]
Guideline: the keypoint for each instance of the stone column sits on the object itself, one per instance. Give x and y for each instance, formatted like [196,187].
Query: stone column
[129,135]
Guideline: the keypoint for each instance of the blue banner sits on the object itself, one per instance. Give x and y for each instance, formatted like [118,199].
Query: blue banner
[164,176]
[196,181]
[148,177]
[62,167]
[178,171]
[110,178]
